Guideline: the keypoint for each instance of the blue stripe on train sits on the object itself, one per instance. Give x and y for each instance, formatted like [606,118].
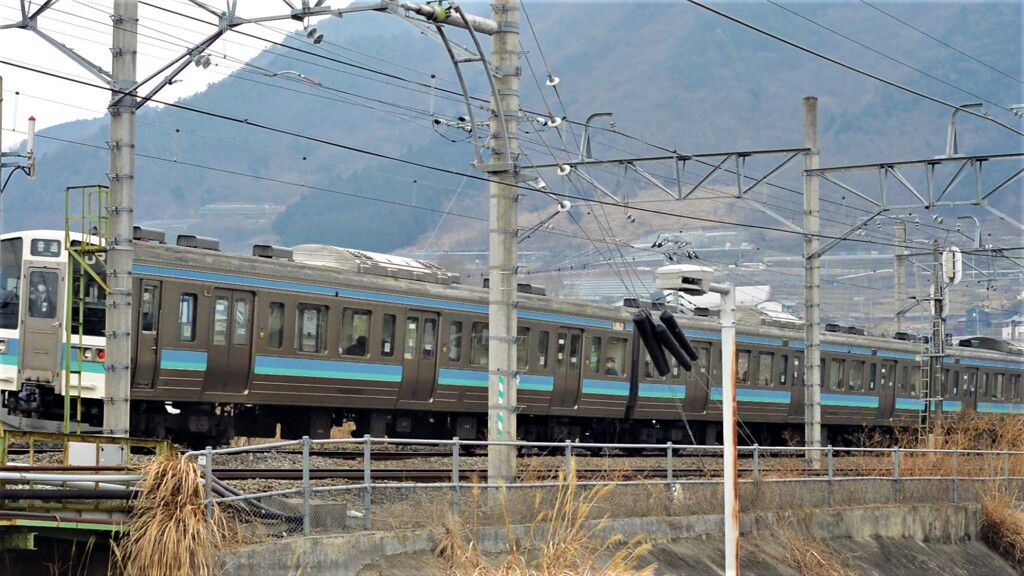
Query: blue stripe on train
[652,390]
[755,395]
[311,368]
[171,359]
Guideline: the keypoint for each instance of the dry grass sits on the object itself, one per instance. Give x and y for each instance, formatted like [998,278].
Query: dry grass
[1002,527]
[794,545]
[169,532]
[563,538]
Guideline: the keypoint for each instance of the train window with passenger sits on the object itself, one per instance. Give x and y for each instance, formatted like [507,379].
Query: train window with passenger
[455,341]
[765,360]
[478,344]
[311,328]
[617,353]
[387,335]
[275,325]
[594,357]
[355,332]
[522,348]
[997,387]
[187,318]
[221,309]
[42,300]
[543,340]
[856,375]
[743,368]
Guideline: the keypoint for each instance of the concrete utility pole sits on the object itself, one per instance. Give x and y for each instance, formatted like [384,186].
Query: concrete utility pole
[936,347]
[901,252]
[120,210]
[502,380]
[812,286]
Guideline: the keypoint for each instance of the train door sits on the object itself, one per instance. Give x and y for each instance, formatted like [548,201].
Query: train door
[568,354]
[969,389]
[147,327]
[419,356]
[886,390]
[794,367]
[42,329]
[697,387]
[229,362]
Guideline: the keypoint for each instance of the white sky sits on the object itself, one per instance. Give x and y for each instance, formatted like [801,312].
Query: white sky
[85,26]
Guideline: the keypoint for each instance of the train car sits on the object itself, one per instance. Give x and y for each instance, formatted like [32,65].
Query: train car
[296,341]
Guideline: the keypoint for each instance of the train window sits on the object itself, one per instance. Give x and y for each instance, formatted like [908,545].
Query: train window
[275,326]
[943,383]
[915,381]
[617,354]
[986,391]
[743,368]
[43,290]
[856,375]
[187,318]
[997,388]
[872,375]
[240,330]
[836,372]
[575,345]
[412,328]
[905,379]
[455,341]
[888,376]
[10,276]
[522,348]
[478,344]
[970,382]
[1014,387]
[594,358]
[649,367]
[798,376]
[147,318]
[783,369]
[764,368]
[429,338]
[355,332]
[543,339]
[956,383]
[310,328]
[221,308]
[387,335]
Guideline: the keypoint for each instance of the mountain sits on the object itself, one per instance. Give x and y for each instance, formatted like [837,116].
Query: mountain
[674,76]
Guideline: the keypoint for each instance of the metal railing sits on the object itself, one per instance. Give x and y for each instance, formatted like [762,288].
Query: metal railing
[688,480]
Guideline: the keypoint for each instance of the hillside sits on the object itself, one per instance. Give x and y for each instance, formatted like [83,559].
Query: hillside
[673,75]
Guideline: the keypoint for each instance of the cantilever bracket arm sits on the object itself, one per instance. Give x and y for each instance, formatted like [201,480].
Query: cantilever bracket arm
[847,234]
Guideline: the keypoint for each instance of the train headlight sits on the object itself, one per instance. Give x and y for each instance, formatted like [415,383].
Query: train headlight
[3,346]
[86,354]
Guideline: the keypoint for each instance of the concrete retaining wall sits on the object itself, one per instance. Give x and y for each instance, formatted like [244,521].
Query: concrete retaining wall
[931,537]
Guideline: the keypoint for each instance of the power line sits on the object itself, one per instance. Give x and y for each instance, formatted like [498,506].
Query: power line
[884,55]
[853,68]
[947,45]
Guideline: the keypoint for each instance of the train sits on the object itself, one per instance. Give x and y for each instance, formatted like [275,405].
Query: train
[294,342]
